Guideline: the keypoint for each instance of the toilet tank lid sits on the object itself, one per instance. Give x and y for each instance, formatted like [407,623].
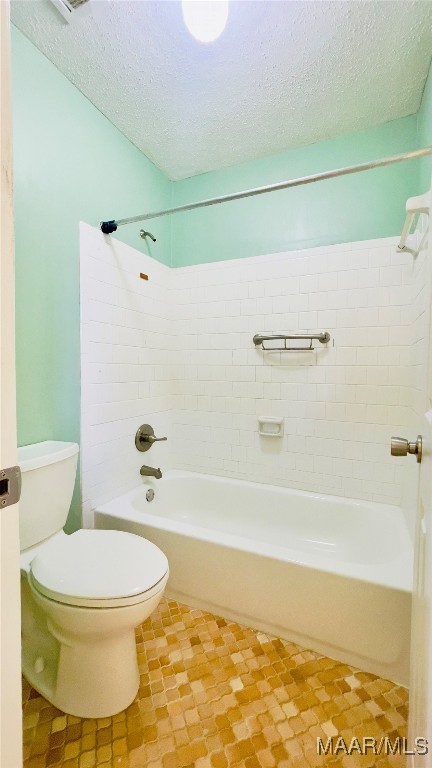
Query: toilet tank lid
[42,454]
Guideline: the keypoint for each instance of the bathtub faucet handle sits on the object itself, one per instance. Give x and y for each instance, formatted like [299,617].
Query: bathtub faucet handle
[152,439]
[145,437]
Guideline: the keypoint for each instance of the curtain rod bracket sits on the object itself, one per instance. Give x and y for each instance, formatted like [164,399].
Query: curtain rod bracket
[108,227]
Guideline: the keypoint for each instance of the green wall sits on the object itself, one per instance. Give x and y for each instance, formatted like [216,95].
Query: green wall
[70,164]
[424,133]
[357,207]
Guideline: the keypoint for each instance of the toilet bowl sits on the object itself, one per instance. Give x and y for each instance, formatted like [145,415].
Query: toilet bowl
[82,594]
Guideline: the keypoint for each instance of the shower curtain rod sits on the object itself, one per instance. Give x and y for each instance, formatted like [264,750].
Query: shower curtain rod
[108,227]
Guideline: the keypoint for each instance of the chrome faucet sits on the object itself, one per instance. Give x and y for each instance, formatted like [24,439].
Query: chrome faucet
[150,472]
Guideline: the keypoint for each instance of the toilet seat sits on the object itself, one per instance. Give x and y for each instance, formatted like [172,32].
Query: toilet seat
[99,569]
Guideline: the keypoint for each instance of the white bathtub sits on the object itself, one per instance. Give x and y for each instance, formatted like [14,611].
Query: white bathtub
[328,573]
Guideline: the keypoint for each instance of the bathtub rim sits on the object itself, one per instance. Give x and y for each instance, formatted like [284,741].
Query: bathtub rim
[396,573]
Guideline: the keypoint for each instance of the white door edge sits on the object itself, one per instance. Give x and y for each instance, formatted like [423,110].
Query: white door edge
[10,644]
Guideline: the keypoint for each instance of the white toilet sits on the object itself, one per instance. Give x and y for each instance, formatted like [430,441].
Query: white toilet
[82,595]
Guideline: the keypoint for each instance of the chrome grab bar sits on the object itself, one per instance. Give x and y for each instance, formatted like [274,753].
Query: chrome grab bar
[260,338]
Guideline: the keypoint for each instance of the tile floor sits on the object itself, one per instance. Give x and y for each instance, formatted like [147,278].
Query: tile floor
[214,694]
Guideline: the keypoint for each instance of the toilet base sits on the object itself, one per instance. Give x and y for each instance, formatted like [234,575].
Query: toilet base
[83,660]
[93,680]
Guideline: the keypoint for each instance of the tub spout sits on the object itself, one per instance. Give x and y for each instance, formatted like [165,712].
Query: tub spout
[150,472]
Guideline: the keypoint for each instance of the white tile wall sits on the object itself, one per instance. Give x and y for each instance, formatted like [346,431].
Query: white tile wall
[126,365]
[177,351]
[340,404]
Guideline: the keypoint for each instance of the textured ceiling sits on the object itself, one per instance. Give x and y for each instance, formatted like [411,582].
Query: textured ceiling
[283,74]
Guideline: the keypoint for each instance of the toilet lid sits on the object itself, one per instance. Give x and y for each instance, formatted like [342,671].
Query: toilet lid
[99,569]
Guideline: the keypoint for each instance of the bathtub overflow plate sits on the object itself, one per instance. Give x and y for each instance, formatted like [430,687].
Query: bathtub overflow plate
[150,494]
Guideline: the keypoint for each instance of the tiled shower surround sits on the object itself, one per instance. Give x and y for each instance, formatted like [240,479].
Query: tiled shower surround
[126,363]
[177,351]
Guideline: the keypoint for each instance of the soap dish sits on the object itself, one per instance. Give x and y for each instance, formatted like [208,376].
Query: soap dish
[270,426]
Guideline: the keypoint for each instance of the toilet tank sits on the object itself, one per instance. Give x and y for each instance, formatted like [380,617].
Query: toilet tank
[48,478]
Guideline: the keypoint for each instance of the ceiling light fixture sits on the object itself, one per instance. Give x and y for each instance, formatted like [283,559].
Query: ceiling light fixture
[205,19]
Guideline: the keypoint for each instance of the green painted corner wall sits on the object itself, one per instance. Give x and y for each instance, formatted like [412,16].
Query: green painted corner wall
[359,207]
[424,132]
[70,164]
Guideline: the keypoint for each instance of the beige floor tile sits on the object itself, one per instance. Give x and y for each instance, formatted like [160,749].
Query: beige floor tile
[214,694]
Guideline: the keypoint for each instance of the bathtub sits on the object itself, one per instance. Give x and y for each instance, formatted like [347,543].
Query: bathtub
[328,573]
